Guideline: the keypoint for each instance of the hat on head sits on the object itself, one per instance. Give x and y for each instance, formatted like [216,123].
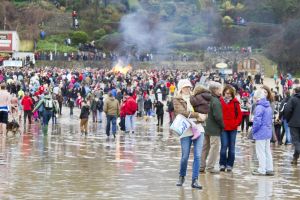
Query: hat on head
[259,94]
[183,83]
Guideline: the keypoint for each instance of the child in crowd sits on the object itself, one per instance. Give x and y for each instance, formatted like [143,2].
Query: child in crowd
[84,117]
[71,104]
[200,101]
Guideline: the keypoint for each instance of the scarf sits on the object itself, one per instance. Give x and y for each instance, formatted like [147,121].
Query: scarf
[227,100]
[186,98]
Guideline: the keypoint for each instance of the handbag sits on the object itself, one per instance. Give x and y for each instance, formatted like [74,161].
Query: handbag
[180,124]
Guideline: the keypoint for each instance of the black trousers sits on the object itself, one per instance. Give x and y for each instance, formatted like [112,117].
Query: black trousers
[27,114]
[60,107]
[295,132]
[160,118]
[278,133]
[71,110]
[122,124]
[245,119]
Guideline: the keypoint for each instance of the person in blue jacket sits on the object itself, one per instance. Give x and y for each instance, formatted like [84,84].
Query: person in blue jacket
[262,133]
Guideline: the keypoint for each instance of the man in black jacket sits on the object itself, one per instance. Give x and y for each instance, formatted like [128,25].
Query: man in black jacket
[284,121]
[292,115]
[100,104]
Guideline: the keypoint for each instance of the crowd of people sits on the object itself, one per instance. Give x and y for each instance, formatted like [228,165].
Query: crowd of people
[220,49]
[218,107]
[88,52]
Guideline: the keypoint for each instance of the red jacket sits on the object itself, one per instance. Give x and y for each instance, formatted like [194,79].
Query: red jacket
[245,94]
[41,89]
[130,106]
[27,103]
[231,121]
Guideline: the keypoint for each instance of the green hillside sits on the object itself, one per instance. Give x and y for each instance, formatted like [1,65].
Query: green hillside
[183,25]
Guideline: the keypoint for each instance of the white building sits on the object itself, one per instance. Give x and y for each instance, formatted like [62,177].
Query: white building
[9,41]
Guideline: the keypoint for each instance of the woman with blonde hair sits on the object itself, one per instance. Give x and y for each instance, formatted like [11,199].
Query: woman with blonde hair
[183,106]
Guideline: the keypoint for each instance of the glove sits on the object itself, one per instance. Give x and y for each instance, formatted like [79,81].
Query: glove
[201,117]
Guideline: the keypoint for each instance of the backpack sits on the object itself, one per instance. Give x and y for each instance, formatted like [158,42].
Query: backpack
[48,104]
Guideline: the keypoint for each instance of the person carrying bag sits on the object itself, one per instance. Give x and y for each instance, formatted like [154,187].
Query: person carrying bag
[182,106]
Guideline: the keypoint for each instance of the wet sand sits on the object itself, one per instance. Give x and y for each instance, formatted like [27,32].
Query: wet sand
[143,165]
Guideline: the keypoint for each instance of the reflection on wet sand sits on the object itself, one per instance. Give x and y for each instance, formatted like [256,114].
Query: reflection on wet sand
[144,165]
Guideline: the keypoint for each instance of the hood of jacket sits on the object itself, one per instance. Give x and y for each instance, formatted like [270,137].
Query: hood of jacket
[264,102]
[26,97]
[297,95]
[206,94]
[110,98]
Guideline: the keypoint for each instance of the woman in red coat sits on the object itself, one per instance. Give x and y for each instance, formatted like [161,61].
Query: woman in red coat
[232,117]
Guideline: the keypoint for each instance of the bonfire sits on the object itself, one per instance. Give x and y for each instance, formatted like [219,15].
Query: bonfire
[122,68]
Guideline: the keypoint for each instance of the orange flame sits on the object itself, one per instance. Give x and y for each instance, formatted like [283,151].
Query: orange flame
[120,68]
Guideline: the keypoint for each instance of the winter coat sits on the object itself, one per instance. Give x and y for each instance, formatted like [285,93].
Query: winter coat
[43,101]
[232,114]
[170,106]
[214,121]
[148,104]
[27,103]
[130,106]
[71,103]
[94,105]
[292,111]
[111,106]
[85,111]
[262,122]
[60,99]
[180,107]
[245,108]
[200,100]
[100,105]
[282,107]
[55,106]
[159,108]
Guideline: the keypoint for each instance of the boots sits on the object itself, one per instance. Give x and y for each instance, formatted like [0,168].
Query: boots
[295,158]
[196,185]
[294,161]
[180,181]
[196,133]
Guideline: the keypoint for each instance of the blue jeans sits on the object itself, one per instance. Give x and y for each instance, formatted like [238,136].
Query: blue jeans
[228,139]
[47,114]
[113,120]
[100,116]
[129,123]
[287,132]
[186,144]
[148,112]
[54,119]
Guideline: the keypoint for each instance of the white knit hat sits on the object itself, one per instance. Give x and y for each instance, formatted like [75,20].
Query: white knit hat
[259,94]
[183,83]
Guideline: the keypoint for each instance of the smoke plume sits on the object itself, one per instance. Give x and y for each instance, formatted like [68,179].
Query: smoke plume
[143,31]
